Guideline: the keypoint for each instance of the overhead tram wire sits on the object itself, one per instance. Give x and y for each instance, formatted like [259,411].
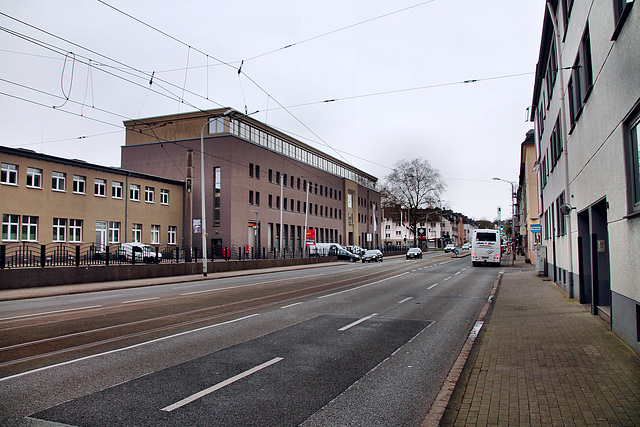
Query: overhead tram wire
[144,75]
[389,92]
[225,63]
[340,29]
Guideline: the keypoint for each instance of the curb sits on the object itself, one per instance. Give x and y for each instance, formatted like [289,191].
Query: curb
[437,409]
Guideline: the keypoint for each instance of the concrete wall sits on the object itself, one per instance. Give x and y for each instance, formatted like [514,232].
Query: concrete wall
[35,277]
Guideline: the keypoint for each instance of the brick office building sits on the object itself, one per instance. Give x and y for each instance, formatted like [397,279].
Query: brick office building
[255,182]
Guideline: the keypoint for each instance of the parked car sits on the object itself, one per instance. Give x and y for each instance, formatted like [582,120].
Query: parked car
[344,255]
[449,248]
[355,250]
[465,247]
[414,253]
[142,253]
[372,255]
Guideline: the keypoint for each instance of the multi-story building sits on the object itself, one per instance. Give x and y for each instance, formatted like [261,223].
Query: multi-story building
[527,198]
[440,228]
[586,105]
[49,199]
[255,182]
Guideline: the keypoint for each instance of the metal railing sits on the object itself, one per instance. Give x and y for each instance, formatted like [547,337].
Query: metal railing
[32,254]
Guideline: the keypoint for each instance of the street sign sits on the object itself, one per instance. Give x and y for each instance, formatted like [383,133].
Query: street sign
[536,228]
[422,233]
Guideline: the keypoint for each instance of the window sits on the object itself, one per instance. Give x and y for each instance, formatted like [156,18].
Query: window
[59,181]
[250,197]
[100,187]
[216,125]
[155,234]
[277,177]
[257,198]
[59,229]
[217,191]
[621,9]
[552,70]
[270,200]
[172,234]
[270,175]
[556,144]
[581,79]
[164,197]
[114,232]
[251,170]
[149,194]
[10,224]
[257,171]
[30,228]
[116,190]
[134,192]
[79,184]
[634,165]
[34,178]
[567,5]
[75,230]
[9,174]
[136,233]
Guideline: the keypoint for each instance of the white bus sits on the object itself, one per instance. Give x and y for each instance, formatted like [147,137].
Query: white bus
[485,247]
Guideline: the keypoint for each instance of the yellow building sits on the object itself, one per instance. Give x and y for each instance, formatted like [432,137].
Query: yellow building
[47,199]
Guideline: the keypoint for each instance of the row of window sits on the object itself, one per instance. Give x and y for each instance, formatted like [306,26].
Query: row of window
[297,206]
[9,176]
[555,223]
[295,236]
[289,149]
[301,184]
[25,228]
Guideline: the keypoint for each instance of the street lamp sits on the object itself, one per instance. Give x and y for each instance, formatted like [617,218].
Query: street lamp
[202,189]
[513,214]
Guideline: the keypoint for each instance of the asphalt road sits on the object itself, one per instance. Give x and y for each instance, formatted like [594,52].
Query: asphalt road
[337,345]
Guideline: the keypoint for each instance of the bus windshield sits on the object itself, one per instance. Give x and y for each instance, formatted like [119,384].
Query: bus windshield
[486,237]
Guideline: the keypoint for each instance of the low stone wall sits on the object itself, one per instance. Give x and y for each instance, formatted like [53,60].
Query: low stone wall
[34,277]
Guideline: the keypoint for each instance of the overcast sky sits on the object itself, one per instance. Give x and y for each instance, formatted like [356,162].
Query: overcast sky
[396,71]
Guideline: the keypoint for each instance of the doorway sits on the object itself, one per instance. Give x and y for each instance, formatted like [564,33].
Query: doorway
[594,266]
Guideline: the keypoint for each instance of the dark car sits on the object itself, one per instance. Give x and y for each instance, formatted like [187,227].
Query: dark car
[414,253]
[372,255]
[344,255]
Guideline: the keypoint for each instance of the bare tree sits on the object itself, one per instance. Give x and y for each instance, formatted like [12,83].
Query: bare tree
[413,184]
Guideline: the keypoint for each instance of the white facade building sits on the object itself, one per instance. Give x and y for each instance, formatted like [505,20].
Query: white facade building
[586,106]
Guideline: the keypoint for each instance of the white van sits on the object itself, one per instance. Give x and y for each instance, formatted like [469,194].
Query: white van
[143,253]
[332,249]
[485,247]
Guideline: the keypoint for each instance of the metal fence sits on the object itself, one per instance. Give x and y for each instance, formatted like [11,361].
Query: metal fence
[31,254]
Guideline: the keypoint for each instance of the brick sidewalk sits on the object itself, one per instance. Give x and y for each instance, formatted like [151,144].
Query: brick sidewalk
[542,359]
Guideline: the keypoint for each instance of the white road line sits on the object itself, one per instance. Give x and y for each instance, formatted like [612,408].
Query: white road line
[291,305]
[220,385]
[362,286]
[357,322]
[139,300]
[432,286]
[50,312]
[243,286]
[447,279]
[457,273]
[117,350]
[405,300]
